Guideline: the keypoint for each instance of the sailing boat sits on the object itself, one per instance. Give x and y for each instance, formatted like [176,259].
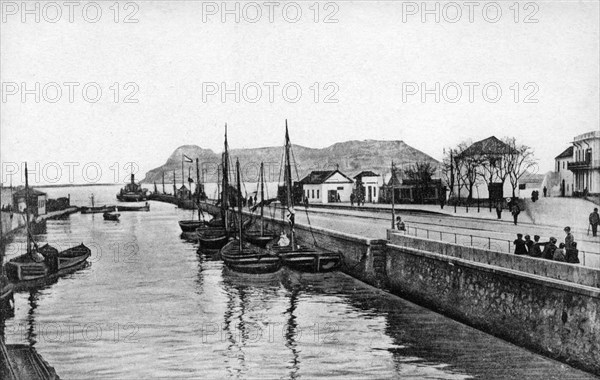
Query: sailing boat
[298,256]
[215,234]
[261,238]
[42,264]
[191,225]
[244,257]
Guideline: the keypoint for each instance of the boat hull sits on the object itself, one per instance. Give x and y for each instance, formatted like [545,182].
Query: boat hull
[260,240]
[306,259]
[212,238]
[96,210]
[190,225]
[113,217]
[131,197]
[26,275]
[251,260]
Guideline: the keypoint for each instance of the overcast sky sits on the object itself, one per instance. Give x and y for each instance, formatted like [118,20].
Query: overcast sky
[177,50]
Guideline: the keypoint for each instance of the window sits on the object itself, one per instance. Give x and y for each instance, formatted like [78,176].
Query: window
[563,164]
[374,192]
[317,194]
[313,193]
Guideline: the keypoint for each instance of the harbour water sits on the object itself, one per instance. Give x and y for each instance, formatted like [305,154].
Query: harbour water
[152,306]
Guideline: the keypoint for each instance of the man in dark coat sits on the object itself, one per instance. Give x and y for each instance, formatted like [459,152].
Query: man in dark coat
[520,246]
[515,211]
[536,249]
[594,221]
[548,253]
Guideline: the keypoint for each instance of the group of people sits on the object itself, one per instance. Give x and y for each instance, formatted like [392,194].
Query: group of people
[514,208]
[360,200]
[564,252]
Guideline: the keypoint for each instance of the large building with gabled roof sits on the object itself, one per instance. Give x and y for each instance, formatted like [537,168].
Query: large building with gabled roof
[327,186]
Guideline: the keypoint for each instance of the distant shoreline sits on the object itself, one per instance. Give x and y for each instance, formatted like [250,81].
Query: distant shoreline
[75,185]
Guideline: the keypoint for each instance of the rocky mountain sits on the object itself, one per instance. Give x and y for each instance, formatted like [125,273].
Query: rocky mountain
[351,157]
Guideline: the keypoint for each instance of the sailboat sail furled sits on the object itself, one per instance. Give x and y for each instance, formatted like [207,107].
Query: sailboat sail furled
[292,254]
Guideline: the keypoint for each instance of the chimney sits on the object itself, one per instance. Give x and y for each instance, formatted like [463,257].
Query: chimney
[132,179]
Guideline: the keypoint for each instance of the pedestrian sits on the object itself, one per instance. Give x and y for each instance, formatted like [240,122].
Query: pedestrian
[520,247]
[528,244]
[515,211]
[573,254]
[255,198]
[559,253]
[549,249]
[338,198]
[594,221]
[352,197]
[536,250]
[499,210]
[400,224]
[305,202]
[568,238]
[545,190]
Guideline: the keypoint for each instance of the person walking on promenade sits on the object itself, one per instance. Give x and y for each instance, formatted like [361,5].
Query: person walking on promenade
[520,247]
[499,210]
[545,190]
[549,249]
[528,244]
[515,211]
[352,196]
[594,221]
[536,250]
[305,202]
[569,238]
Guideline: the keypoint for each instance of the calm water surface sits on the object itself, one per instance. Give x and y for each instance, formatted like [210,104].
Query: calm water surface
[152,306]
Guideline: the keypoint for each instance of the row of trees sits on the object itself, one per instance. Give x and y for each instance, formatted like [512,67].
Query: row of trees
[467,165]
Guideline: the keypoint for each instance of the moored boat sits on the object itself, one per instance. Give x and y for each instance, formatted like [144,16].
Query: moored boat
[244,257]
[41,265]
[132,192]
[211,236]
[293,255]
[145,207]
[111,216]
[263,236]
[96,210]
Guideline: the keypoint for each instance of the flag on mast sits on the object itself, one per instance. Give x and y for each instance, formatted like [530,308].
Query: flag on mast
[187,159]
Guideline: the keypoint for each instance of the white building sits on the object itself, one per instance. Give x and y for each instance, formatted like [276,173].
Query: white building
[371,182]
[564,175]
[586,163]
[327,187]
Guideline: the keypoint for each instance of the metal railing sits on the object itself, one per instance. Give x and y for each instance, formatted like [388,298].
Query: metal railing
[492,244]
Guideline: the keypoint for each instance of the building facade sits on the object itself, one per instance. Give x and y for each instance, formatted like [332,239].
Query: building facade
[36,204]
[371,183]
[586,163]
[327,187]
[564,175]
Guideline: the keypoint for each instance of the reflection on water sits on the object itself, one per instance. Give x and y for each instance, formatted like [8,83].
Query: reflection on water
[152,305]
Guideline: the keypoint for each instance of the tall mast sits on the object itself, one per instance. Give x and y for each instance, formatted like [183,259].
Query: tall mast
[262,199]
[393,195]
[174,185]
[182,172]
[163,181]
[27,209]
[225,192]
[288,183]
[239,203]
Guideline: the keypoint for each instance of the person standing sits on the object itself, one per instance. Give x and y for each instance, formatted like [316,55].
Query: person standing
[400,224]
[569,238]
[536,250]
[515,211]
[545,190]
[529,244]
[549,249]
[594,221]
[499,210]
[520,246]
[352,196]
[559,253]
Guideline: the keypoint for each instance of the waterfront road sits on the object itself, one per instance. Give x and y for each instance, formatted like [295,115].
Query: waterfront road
[496,235]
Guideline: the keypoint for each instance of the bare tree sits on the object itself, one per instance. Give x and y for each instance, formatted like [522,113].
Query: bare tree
[421,173]
[518,161]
